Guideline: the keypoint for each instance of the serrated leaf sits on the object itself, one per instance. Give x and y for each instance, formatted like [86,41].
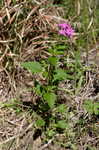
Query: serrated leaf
[50,98]
[34,67]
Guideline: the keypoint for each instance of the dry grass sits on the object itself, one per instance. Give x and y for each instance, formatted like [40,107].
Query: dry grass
[24,36]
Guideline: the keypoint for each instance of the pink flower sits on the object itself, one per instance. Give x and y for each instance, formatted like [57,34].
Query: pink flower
[66,30]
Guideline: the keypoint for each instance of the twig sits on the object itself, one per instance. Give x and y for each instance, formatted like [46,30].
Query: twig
[8,41]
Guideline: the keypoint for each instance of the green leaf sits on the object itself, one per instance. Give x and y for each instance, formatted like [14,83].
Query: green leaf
[91,107]
[96,108]
[57,49]
[88,105]
[56,52]
[60,75]
[50,98]
[61,124]
[61,108]
[50,88]
[34,67]
[50,133]
[40,122]
[53,60]
[60,47]
[37,89]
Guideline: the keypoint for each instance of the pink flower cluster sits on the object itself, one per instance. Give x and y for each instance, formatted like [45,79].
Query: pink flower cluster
[66,29]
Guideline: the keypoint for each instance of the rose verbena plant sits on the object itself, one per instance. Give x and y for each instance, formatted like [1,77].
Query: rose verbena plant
[65,29]
[51,71]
